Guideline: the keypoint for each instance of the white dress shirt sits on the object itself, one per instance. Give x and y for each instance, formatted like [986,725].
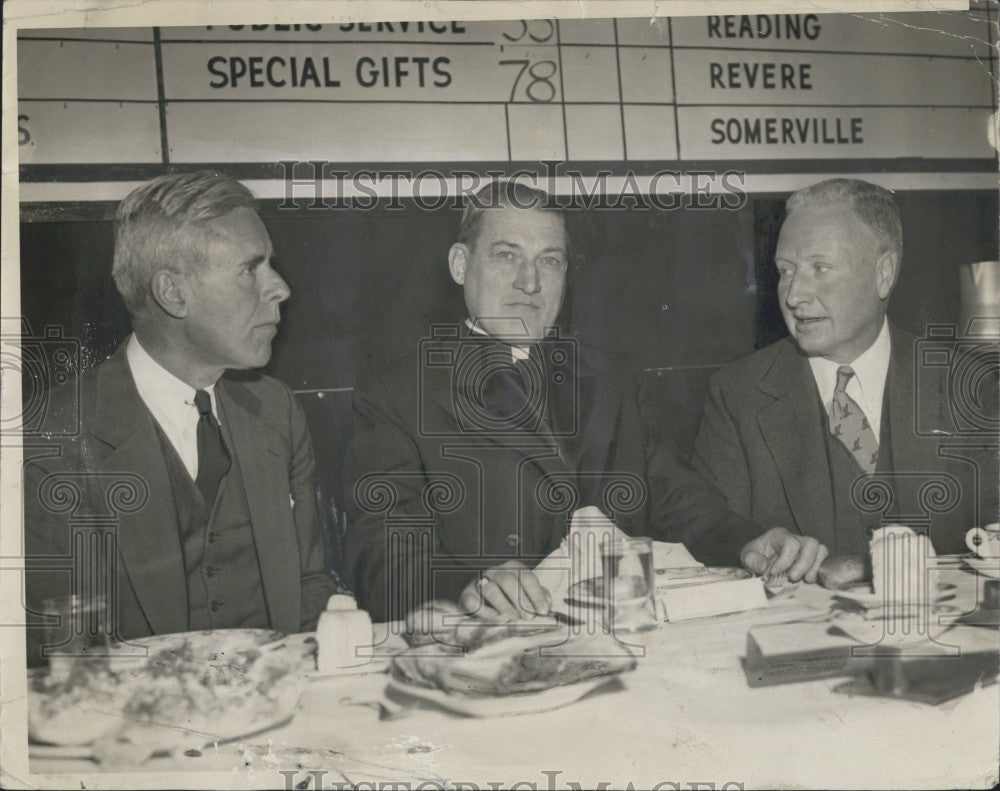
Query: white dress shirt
[171,402]
[867,386]
[516,352]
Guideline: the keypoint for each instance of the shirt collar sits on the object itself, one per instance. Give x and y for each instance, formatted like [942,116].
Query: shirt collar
[157,386]
[870,370]
[516,352]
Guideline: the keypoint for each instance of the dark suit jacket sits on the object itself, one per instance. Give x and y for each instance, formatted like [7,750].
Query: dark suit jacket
[438,494]
[113,469]
[762,445]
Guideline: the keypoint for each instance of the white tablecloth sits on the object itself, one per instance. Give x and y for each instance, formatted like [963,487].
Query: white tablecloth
[685,716]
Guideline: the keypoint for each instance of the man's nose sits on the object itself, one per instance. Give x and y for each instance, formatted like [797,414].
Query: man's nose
[527,277]
[798,291]
[275,288]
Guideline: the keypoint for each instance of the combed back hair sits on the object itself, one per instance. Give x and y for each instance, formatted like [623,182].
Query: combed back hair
[501,193]
[160,225]
[871,204]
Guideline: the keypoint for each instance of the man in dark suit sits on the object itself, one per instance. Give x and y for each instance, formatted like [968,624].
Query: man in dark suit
[840,426]
[471,453]
[187,495]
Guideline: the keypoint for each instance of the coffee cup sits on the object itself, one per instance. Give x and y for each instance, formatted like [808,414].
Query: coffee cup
[984,541]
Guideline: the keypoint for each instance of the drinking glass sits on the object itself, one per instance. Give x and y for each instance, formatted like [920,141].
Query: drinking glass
[77,628]
[629,592]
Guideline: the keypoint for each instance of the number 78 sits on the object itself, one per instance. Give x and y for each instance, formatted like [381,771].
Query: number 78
[540,87]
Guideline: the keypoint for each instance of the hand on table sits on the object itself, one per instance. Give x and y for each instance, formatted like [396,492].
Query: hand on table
[779,552]
[507,592]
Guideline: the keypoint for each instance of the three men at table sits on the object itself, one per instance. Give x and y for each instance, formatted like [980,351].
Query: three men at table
[794,433]
[500,409]
[506,416]
[210,471]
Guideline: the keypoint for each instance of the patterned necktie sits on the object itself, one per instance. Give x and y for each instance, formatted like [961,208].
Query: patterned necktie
[849,424]
[213,458]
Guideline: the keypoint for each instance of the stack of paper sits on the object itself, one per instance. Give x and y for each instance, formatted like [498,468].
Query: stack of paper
[799,651]
[700,600]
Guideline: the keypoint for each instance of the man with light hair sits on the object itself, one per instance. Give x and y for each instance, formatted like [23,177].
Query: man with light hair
[818,432]
[220,529]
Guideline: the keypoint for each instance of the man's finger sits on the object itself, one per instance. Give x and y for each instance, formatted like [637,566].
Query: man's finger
[808,548]
[472,601]
[813,574]
[535,598]
[500,592]
[788,552]
[755,560]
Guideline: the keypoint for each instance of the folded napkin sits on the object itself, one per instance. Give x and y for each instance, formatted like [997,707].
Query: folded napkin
[579,555]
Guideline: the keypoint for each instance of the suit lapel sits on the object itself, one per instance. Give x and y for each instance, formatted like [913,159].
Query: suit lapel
[148,539]
[262,463]
[793,436]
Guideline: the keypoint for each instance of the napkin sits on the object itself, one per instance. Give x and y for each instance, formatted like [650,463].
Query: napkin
[579,555]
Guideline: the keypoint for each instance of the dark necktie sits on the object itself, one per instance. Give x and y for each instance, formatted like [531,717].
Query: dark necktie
[849,424]
[213,458]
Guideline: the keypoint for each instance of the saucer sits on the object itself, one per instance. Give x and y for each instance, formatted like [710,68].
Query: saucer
[988,567]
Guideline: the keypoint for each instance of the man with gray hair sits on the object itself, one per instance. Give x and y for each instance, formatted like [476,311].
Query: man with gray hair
[798,433]
[220,528]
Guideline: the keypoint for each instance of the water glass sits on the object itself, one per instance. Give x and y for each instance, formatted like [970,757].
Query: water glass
[628,588]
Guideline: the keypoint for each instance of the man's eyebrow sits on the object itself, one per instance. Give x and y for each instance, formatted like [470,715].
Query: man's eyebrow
[256,260]
[505,242]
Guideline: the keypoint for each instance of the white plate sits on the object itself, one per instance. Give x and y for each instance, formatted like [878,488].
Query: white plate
[288,702]
[209,647]
[505,705]
[988,567]
[865,596]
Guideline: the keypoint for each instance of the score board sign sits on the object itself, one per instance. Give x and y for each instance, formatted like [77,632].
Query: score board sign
[749,89]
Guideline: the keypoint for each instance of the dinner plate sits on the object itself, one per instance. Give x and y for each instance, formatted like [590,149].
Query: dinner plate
[865,596]
[224,650]
[206,642]
[590,592]
[222,731]
[505,705]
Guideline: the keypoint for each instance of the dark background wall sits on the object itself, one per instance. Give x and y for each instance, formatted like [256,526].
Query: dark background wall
[680,292]
[683,289]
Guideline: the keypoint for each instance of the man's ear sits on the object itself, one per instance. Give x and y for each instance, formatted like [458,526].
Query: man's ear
[458,258]
[169,293]
[886,272]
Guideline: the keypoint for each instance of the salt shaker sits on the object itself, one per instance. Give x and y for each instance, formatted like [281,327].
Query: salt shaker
[342,633]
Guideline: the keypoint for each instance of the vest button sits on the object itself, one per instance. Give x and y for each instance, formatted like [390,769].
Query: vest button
[513,540]
[216,606]
[211,538]
[210,571]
